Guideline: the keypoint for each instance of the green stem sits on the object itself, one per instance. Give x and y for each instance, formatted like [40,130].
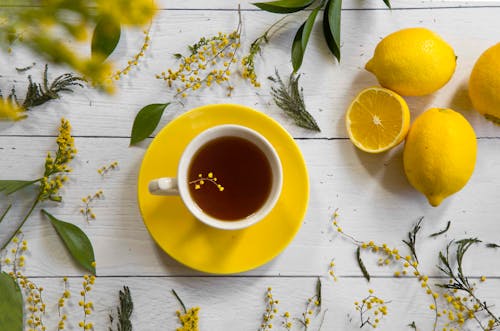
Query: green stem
[5,213]
[265,35]
[22,223]
[180,301]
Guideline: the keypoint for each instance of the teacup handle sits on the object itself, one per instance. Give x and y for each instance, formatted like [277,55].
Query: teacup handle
[164,186]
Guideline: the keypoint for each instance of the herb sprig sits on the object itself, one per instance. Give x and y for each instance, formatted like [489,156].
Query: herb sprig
[289,97]
[124,311]
[460,282]
[37,94]
[412,238]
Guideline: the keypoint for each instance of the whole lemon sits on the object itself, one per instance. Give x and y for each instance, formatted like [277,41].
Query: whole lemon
[484,84]
[439,154]
[412,62]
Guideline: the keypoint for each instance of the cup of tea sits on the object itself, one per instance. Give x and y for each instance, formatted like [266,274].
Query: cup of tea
[229,177]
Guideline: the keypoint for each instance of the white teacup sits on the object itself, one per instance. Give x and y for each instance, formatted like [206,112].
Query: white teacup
[180,184]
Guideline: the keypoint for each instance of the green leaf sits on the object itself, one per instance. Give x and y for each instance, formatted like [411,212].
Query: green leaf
[146,121]
[284,6]
[105,37]
[5,213]
[10,186]
[301,39]
[388,3]
[11,304]
[76,241]
[361,264]
[331,26]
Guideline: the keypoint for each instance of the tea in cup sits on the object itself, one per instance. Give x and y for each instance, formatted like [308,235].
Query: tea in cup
[229,177]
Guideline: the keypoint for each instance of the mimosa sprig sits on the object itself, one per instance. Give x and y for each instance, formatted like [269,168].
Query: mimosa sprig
[208,62]
[54,176]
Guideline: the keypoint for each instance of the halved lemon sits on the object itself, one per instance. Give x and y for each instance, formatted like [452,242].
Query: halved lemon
[377,120]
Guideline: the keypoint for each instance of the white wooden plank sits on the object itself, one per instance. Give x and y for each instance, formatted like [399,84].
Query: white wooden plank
[347,4]
[228,304]
[371,192]
[96,114]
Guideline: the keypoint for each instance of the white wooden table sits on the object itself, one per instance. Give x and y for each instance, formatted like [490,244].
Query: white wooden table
[371,193]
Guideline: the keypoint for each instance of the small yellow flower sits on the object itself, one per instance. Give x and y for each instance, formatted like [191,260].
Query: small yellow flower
[9,110]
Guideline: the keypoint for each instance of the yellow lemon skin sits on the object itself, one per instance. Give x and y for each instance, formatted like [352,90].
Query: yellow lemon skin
[484,84]
[439,154]
[413,62]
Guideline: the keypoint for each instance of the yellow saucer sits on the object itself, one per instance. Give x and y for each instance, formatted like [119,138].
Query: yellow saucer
[197,245]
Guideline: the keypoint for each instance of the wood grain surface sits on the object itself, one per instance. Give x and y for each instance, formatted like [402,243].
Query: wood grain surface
[370,192]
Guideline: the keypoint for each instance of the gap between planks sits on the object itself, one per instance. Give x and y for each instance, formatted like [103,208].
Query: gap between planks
[252,276]
[152,137]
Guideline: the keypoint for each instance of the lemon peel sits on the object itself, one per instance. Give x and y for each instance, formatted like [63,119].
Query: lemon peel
[439,154]
[413,62]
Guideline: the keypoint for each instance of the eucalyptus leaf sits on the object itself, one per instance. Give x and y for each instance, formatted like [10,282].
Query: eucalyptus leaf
[76,241]
[146,121]
[301,39]
[5,213]
[331,26]
[106,36]
[284,6]
[10,186]
[11,304]
[388,3]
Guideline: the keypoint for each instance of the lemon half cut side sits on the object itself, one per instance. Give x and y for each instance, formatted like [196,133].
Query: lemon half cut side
[377,120]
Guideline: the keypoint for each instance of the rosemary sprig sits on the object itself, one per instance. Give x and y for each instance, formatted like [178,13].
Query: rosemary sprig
[442,231]
[412,238]
[38,94]
[290,99]
[124,311]
[492,245]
